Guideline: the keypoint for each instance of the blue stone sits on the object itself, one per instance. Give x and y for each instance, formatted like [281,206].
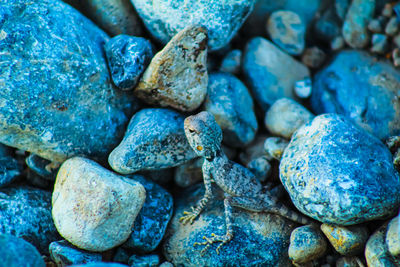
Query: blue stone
[10,169]
[64,254]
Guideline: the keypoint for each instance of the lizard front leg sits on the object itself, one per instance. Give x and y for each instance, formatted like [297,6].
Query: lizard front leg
[190,216]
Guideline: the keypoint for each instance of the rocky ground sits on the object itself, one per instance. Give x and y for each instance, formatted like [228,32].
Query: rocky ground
[95,166]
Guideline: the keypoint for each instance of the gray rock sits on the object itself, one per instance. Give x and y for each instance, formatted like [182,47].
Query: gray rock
[222,19]
[285,116]
[232,62]
[68,105]
[16,252]
[347,241]
[380,43]
[263,242]
[355,26]
[26,212]
[393,237]
[113,16]
[177,75]
[387,10]
[275,146]
[339,174]
[358,86]
[287,30]
[93,208]
[376,25]
[144,261]
[153,218]
[154,139]
[127,58]
[232,106]
[65,254]
[306,244]
[270,72]
[189,173]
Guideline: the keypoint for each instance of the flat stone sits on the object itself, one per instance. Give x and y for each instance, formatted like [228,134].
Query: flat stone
[177,75]
[232,106]
[155,139]
[32,207]
[270,72]
[68,105]
[339,174]
[287,30]
[222,19]
[93,208]
[393,237]
[65,254]
[16,252]
[362,88]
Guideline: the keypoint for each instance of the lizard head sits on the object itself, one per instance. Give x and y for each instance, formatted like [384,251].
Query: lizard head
[204,134]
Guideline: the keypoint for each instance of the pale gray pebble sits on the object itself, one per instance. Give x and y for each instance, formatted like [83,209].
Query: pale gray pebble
[189,173]
[270,72]
[285,116]
[337,43]
[260,167]
[232,61]
[306,244]
[387,10]
[166,264]
[155,139]
[16,252]
[64,254]
[254,150]
[376,25]
[275,146]
[127,58]
[287,30]
[392,27]
[349,262]
[144,260]
[230,102]
[379,43]
[166,18]
[396,57]
[313,57]
[354,29]
[348,240]
[303,88]
[93,208]
[393,237]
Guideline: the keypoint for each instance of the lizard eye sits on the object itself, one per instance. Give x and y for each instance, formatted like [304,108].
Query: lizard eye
[191,130]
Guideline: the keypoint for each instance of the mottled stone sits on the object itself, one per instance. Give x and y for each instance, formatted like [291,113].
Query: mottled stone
[57,99]
[65,254]
[42,167]
[260,167]
[232,62]
[393,237]
[127,58]
[392,27]
[285,116]
[261,239]
[358,86]
[155,139]
[232,106]
[165,18]
[339,174]
[32,207]
[376,25]
[153,218]
[16,252]
[346,240]
[270,72]
[177,75]
[306,244]
[287,30]
[313,57]
[189,173]
[380,43]
[275,146]
[93,208]
[349,262]
[113,16]
[355,25]
[144,261]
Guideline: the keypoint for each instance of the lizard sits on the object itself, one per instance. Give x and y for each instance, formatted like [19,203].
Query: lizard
[240,186]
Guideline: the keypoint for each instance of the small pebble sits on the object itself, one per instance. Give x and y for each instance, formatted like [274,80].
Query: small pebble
[166,264]
[287,30]
[254,150]
[306,244]
[376,252]
[285,116]
[379,43]
[313,57]
[393,237]
[396,57]
[396,40]
[260,167]
[392,27]
[387,10]
[232,61]
[275,146]
[347,241]
[375,26]
[144,261]
[303,88]
[189,173]
[349,262]
[64,254]
[337,43]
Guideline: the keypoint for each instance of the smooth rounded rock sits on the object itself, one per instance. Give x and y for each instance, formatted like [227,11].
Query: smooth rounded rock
[275,146]
[68,105]
[127,58]
[306,244]
[270,72]
[263,242]
[154,139]
[93,208]
[346,240]
[285,116]
[339,174]
[232,106]
[65,254]
[287,30]
[232,62]
[177,75]
[362,88]
[393,237]
[16,252]
[222,18]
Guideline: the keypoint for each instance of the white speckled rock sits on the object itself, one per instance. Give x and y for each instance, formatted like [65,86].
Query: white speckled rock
[177,75]
[93,208]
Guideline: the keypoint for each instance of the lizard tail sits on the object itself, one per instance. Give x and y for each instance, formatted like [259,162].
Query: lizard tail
[284,211]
